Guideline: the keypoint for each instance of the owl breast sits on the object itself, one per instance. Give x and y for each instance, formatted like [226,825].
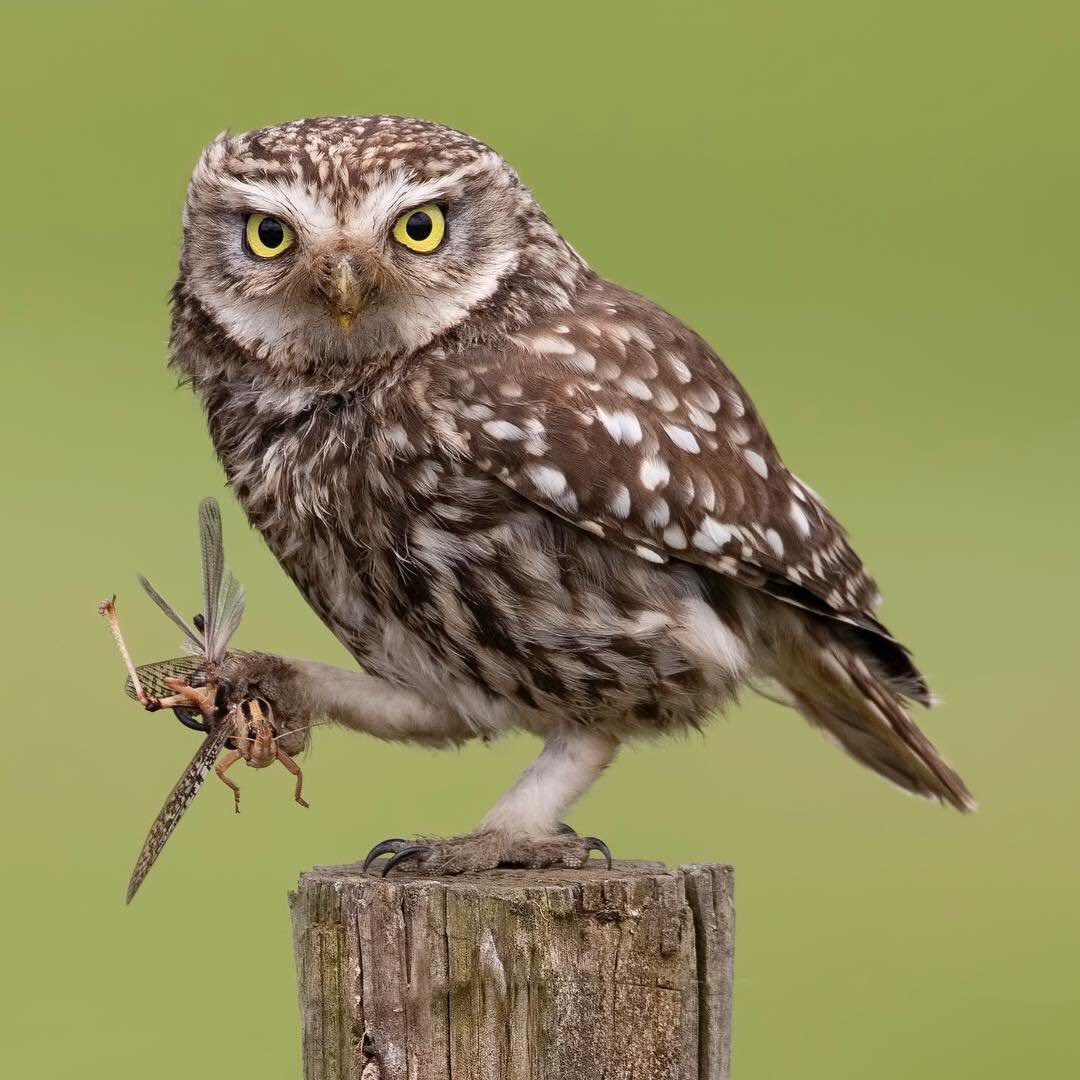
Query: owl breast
[439,578]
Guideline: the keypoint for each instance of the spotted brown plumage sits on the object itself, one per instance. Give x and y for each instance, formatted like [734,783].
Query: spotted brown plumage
[521,496]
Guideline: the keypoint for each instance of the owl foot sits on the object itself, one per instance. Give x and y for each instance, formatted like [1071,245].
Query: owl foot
[488,851]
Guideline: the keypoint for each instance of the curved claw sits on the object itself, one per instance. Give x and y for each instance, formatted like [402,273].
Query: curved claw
[188,719]
[383,848]
[594,843]
[405,853]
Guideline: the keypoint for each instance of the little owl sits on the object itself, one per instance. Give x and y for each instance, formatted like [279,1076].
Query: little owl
[521,496]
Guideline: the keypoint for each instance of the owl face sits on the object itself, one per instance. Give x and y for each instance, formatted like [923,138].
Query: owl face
[330,242]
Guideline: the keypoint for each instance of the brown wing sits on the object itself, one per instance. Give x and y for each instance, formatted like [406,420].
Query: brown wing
[178,801]
[153,676]
[621,420]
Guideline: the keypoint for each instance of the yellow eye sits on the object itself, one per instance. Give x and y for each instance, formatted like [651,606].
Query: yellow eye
[267,237]
[422,229]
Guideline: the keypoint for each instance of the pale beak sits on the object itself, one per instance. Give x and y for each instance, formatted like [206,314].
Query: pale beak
[346,293]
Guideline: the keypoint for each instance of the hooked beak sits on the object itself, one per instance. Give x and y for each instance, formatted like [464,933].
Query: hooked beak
[346,294]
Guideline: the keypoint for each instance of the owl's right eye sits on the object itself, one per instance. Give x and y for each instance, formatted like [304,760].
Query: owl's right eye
[267,237]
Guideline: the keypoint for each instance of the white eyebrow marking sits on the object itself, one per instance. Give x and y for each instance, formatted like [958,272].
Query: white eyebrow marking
[399,190]
[312,215]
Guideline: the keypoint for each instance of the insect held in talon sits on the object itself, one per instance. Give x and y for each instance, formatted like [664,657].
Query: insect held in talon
[228,691]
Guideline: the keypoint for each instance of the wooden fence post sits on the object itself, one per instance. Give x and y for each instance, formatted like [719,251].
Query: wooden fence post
[516,974]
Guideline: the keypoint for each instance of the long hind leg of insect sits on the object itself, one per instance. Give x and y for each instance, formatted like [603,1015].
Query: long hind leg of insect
[188,697]
[296,771]
[108,609]
[222,767]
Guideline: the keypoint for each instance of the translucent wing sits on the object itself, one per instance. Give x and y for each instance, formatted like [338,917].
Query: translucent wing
[178,801]
[212,553]
[223,595]
[191,635]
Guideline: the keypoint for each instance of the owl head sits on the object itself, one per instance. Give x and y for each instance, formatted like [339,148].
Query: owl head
[319,246]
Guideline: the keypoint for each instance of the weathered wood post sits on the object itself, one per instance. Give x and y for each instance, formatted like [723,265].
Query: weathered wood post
[516,974]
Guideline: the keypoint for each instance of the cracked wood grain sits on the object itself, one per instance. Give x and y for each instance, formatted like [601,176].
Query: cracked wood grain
[516,974]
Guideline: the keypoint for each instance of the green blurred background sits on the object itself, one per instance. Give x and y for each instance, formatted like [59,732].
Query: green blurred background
[869,208]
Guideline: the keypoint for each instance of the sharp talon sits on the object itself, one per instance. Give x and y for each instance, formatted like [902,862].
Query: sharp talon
[565,830]
[303,802]
[188,720]
[402,855]
[384,848]
[593,843]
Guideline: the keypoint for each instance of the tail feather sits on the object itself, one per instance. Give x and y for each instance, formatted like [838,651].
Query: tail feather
[838,691]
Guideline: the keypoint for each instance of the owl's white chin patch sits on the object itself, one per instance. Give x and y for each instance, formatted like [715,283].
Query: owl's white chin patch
[260,326]
[282,333]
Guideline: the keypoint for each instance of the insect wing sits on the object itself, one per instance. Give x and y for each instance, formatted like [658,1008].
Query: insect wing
[178,801]
[153,676]
[212,557]
[223,595]
[194,638]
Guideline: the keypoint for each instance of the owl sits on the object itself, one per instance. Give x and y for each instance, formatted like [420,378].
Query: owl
[522,497]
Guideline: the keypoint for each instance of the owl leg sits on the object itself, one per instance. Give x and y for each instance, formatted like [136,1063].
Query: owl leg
[372,705]
[523,829]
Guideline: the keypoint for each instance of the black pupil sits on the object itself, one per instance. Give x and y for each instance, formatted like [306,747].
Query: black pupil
[271,234]
[419,225]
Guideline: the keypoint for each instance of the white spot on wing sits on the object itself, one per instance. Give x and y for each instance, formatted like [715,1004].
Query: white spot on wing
[503,429]
[674,537]
[772,538]
[620,502]
[546,343]
[636,388]
[756,462]
[799,518]
[654,473]
[551,483]
[648,554]
[711,536]
[679,368]
[683,438]
[658,515]
[622,426]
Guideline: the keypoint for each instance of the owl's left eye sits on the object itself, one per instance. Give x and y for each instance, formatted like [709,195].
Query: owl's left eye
[422,229]
[267,237]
